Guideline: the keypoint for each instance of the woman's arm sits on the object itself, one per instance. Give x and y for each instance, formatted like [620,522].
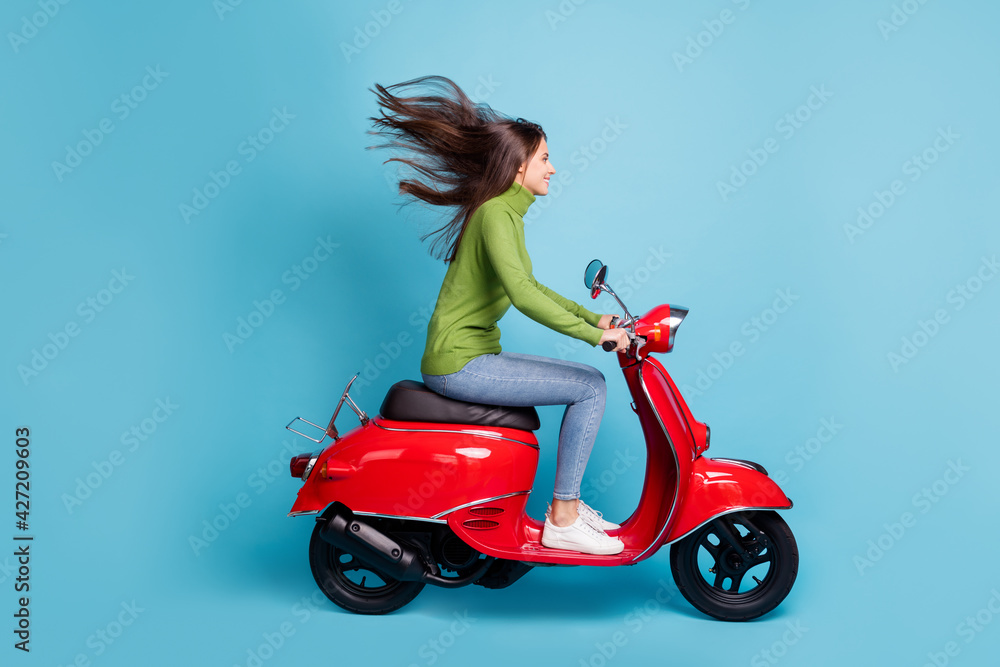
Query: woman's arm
[572,306]
[503,247]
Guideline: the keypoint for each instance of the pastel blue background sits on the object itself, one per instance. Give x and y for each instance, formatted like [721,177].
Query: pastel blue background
[650,186]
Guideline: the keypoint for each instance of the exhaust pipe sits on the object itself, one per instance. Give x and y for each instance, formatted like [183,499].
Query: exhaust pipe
[344,531]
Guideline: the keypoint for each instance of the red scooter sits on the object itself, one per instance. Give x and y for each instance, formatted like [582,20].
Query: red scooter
[433,491]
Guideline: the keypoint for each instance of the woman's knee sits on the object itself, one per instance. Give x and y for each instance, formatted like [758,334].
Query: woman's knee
[601,387]
[589,372]
[584,368]
[596,385]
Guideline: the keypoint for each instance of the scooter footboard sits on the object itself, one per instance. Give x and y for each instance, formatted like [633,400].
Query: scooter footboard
[721,486]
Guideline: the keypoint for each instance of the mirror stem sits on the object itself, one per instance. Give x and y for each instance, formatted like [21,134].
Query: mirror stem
[628,315]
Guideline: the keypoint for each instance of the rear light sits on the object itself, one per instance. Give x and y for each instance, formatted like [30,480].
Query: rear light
[303,464]
[298,464]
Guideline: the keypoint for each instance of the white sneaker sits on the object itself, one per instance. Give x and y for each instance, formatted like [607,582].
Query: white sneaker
[593,517]
[580,536]
[596,517]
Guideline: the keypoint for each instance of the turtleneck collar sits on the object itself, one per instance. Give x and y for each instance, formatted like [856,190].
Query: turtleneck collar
[518,198]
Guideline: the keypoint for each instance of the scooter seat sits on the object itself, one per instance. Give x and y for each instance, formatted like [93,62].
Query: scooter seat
[409,400]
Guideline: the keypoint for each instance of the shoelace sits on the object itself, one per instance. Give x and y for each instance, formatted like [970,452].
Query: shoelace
[590,528]
[593,531]
[587,508]
[590,515]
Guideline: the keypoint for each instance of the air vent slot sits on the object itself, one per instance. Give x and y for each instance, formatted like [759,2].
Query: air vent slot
[486,511]
[480,524]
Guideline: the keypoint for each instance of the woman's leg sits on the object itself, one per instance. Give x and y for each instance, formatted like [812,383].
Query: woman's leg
[511,378]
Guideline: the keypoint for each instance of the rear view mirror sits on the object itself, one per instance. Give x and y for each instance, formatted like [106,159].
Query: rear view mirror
[594,277]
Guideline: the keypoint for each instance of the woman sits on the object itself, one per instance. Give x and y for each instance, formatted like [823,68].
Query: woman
[490,169]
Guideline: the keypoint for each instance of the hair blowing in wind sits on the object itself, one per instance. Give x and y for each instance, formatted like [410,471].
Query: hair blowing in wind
[463,153]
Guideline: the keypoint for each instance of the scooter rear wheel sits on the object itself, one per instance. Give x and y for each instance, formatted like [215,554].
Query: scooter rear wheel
[354,585]
[716,579]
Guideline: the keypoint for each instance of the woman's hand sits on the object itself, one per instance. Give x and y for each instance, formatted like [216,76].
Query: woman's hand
[605,321]
[618,336]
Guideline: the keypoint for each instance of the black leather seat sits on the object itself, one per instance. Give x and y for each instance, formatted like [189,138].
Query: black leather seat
[412,401]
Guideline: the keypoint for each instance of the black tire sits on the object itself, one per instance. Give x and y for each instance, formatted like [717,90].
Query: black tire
[713,576]
[353,584]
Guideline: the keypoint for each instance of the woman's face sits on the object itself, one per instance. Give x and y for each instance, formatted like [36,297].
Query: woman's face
[534,174]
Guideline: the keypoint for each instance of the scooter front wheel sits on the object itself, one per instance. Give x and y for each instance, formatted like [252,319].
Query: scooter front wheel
[353,584]
[738,566]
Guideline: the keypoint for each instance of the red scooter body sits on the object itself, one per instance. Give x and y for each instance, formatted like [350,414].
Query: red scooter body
[477,479]
[404,498]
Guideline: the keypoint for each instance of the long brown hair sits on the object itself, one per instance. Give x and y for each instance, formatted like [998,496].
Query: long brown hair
[466,152]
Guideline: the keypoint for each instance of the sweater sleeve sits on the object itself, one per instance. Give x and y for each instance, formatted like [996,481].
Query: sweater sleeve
[503,247]
[572,306]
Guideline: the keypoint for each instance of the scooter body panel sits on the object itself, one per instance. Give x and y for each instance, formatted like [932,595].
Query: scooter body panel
[669,447]
[501,528]
[718,487]
[418,469]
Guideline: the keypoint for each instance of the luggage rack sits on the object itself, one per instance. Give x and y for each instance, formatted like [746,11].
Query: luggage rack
[331,429]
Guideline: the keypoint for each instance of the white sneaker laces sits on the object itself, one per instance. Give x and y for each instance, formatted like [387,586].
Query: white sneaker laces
[587,508]
[589,514]
[592,531]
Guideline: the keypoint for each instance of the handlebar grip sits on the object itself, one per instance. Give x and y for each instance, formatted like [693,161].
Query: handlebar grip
[608,345]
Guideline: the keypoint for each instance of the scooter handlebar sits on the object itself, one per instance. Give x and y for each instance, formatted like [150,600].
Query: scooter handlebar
[609,345]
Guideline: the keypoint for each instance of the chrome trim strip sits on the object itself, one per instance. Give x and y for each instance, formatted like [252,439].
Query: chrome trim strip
[713,518]
[399,516]
[485,434]
[311,464]
[677,465]
[375,514]
[746,464]
[476,502]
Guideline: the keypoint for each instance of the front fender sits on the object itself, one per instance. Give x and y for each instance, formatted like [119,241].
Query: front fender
[721,486]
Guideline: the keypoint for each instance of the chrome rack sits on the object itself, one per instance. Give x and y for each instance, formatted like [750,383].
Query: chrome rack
[331,429]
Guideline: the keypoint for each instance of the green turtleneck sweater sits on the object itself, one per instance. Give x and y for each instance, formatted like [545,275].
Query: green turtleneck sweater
[490,272]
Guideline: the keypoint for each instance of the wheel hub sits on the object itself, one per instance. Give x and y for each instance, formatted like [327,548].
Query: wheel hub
[730,562]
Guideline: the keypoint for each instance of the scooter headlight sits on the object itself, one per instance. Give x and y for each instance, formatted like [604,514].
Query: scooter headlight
[659,327]
[677,315]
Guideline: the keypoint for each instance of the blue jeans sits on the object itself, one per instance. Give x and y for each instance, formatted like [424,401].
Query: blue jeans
[510,378]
